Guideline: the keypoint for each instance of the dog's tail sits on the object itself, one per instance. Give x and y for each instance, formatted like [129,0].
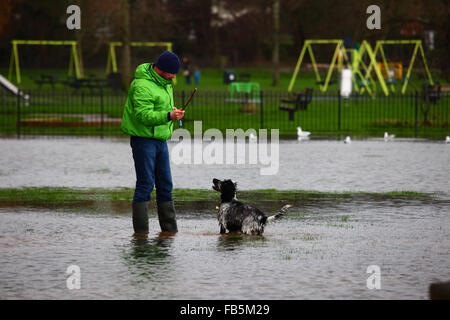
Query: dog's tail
[280,213]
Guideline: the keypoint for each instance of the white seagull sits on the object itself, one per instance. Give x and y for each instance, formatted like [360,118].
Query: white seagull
[388,137]
[347,140]
[447,139]
[302,134]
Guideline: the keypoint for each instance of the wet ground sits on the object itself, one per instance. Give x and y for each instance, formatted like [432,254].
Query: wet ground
[318,254]
[319,251]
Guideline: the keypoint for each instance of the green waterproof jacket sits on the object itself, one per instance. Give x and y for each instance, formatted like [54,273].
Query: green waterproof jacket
[150,99]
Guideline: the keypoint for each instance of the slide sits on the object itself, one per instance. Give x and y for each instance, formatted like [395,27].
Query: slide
[12,88]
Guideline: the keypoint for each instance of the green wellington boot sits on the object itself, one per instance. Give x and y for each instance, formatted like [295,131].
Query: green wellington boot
[140,217]
[167,218]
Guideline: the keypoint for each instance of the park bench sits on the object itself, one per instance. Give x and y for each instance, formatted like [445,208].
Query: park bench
[299,101]
[113,81]
[431,93]
[74,83]
[49,79]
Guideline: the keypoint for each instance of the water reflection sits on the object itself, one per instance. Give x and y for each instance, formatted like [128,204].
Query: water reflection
[146,256]
[235,241]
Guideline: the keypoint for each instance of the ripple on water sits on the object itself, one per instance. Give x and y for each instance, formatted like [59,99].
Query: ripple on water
[317,256]
[365,165]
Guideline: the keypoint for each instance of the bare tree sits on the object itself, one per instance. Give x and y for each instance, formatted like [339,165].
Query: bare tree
[276,42]
[125,37]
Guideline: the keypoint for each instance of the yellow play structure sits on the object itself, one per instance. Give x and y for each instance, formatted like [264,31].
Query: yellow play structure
[362,60]
[14,62]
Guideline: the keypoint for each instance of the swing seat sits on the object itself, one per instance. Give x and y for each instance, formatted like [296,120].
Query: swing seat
[323,82]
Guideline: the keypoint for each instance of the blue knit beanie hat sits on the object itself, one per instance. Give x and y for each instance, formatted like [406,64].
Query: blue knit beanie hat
[168,62]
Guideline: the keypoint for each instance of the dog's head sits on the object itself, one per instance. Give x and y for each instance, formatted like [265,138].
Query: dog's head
[226,187]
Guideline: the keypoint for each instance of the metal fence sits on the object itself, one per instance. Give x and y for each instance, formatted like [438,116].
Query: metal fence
[98,113]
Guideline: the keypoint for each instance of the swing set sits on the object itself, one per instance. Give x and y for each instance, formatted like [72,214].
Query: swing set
[14,62]
[112,60]
[362,61]
[308,47]
[384,62]
[74,63]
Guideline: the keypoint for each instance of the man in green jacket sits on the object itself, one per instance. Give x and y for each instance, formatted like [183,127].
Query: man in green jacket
[148,118]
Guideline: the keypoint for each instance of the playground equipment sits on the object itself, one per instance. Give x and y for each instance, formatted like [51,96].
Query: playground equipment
[346,82]
[308,47]
[15,56]
[250,89]
[245,93]
[8,86]
[394,72]
[362,60]
[340,57]
[417,48]
[112,61]
[362,75]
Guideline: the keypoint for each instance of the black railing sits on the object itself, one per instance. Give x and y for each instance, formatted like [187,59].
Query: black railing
[99,113]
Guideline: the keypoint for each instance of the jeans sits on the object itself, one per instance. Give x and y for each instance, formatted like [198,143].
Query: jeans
[152,165]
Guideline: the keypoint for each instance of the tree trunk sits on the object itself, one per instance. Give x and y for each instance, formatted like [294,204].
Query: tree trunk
[217,56]
[126,60]
[276,42]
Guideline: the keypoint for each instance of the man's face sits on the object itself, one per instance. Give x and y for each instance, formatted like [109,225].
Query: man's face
[168,76]
[165,75]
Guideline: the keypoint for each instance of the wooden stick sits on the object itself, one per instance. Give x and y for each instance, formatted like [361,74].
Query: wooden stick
[190,98]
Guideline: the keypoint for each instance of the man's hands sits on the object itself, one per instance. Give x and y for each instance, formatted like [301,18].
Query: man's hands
[176,114]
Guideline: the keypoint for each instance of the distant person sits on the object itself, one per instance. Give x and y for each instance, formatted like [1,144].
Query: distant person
[197,75]
[186,70]
[148,118]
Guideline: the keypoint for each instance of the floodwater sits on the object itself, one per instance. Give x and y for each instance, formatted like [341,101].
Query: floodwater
[364,165]
[316,252]
[320,255]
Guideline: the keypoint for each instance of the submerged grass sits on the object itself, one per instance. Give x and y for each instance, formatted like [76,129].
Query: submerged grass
[118,199]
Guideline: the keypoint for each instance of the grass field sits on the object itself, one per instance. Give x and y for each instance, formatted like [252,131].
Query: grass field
[119,199]
[61,112]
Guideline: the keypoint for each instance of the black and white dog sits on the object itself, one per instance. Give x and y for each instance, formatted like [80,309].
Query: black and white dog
[236,216]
